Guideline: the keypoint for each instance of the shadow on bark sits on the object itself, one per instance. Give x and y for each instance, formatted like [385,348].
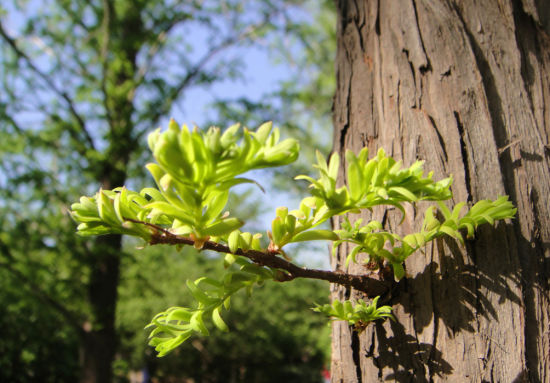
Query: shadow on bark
[409,359]
[456,291]
[523,377]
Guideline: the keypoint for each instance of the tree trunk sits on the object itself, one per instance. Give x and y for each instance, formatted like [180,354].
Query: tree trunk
[100,337]
[465,86]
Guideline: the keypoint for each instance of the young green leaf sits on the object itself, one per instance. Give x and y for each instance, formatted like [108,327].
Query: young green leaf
[197,323]
[218,321]
[233,241]
[223,227]
[315,235]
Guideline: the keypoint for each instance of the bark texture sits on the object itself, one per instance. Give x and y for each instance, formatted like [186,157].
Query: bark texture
[465,86]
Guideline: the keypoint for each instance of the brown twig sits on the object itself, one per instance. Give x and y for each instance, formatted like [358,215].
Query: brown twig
[370,286]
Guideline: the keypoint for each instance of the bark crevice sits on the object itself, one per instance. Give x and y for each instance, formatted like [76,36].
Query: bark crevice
[356,352]
[377,21]
[522,19]
[439,138]
[425,67]
[465,156]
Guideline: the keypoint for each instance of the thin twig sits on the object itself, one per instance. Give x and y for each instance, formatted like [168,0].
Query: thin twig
[155,47]
[504,148]
[106,30]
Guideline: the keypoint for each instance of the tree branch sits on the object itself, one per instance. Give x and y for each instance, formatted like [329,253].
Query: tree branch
[106,29]
[70,104]
[156,47]
[370,286]
[195,70]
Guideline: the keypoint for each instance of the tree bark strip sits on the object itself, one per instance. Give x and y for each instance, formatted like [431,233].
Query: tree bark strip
[465,86]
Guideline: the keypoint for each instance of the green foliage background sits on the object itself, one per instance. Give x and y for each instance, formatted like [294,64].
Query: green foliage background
[73,82]
[273,336]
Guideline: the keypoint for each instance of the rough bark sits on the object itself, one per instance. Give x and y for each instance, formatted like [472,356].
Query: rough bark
[465,86]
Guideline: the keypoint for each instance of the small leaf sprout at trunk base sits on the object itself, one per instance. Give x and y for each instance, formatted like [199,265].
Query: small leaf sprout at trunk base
[194,172]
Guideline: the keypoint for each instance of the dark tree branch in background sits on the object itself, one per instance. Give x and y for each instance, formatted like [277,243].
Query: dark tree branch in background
[75,18]
[11,121]
[196,70]
[104,47]
[70,104]
[186,81]
[370,286]
[157,45]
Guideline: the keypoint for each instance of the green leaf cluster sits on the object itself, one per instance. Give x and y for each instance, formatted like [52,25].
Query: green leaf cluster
[194,172]
[109,211]
[359,314]
[378,181]
[296,225]
[485,211]
[175,325]
[382,245]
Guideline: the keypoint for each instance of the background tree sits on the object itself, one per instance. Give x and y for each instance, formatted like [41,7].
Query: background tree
[464,86]
[82,82]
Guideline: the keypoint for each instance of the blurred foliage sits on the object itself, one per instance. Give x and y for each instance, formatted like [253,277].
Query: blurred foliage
[273,338]
[37,345]
[81,84]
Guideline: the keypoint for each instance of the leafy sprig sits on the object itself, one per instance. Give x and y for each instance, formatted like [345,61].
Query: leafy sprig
[194,172]
[175,325]
[381,245]
[378,181]
[359,314]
